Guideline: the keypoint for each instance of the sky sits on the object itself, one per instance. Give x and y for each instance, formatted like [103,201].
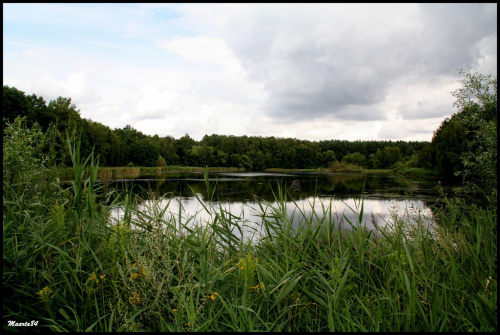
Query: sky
[306,71]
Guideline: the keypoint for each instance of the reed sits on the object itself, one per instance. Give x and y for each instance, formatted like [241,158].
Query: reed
[69,266]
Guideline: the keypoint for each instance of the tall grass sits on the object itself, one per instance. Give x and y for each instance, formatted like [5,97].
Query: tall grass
[66,266]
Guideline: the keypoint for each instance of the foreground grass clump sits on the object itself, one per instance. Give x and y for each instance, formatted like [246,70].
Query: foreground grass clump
[68,268]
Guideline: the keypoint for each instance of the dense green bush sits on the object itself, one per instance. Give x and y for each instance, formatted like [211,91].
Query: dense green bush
[355,158]
[144,154]
[161,162]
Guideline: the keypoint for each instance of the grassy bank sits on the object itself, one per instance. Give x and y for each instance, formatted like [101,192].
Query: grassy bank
[108,173]
[66,173]
[66,267]
[416,172]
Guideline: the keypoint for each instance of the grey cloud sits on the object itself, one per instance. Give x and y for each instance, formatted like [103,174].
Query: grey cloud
[327,62]
[424,110]
[452,32]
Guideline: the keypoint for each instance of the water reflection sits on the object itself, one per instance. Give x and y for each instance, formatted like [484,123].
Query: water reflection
[320,198]
[244,187]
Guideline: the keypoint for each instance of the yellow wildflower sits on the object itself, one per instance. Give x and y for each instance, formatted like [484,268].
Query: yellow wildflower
[102,277]
[45,294]
[174,310]
[260,285]
[213,295]
[135,275]
[93,277]
[135,326]
[135,298]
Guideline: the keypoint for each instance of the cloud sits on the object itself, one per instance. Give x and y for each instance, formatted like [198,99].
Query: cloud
[487,59]
[77,86]
[155,104]
[323,60]
[201,48]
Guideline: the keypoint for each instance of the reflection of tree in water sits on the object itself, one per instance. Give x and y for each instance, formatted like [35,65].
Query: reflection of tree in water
[299,186]
[346,183]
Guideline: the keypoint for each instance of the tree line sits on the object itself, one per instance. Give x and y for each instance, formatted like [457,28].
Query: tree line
[128,146]
[459,148]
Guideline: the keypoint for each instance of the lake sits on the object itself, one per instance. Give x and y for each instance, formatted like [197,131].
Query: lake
[334,196]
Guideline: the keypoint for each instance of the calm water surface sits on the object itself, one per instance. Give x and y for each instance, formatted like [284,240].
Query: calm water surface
[334,196]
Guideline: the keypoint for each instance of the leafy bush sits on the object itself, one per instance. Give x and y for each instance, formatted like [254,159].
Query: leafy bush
[144,154]
[355,158]
[161,162]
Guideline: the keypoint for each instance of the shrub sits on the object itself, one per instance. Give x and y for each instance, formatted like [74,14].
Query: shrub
[144,154]
[355,158]
[161,162]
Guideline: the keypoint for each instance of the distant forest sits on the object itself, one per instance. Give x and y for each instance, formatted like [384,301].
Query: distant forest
[129,147]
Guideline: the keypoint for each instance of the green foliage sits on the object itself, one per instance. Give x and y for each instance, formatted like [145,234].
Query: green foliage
[201,155]
[477,103]
[246,162]
[465,145]
[14,104]
[304,157]
[161,162]
[236,160]
[449,142]
[258,160]
[355,158]
[386,157]
[326,158]
[144,154]
[24,168]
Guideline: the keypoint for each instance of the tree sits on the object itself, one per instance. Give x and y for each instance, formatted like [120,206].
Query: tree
[161,162]
[222,158]
[258,160]
[326,158]
[464,147]
[183,147]
[387,156]
[477,105]
[167,150]
[14,103]
[246,162]
[144,154]
[355,158]
[448,144]
[303,157]
[201,155]
[235,160]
